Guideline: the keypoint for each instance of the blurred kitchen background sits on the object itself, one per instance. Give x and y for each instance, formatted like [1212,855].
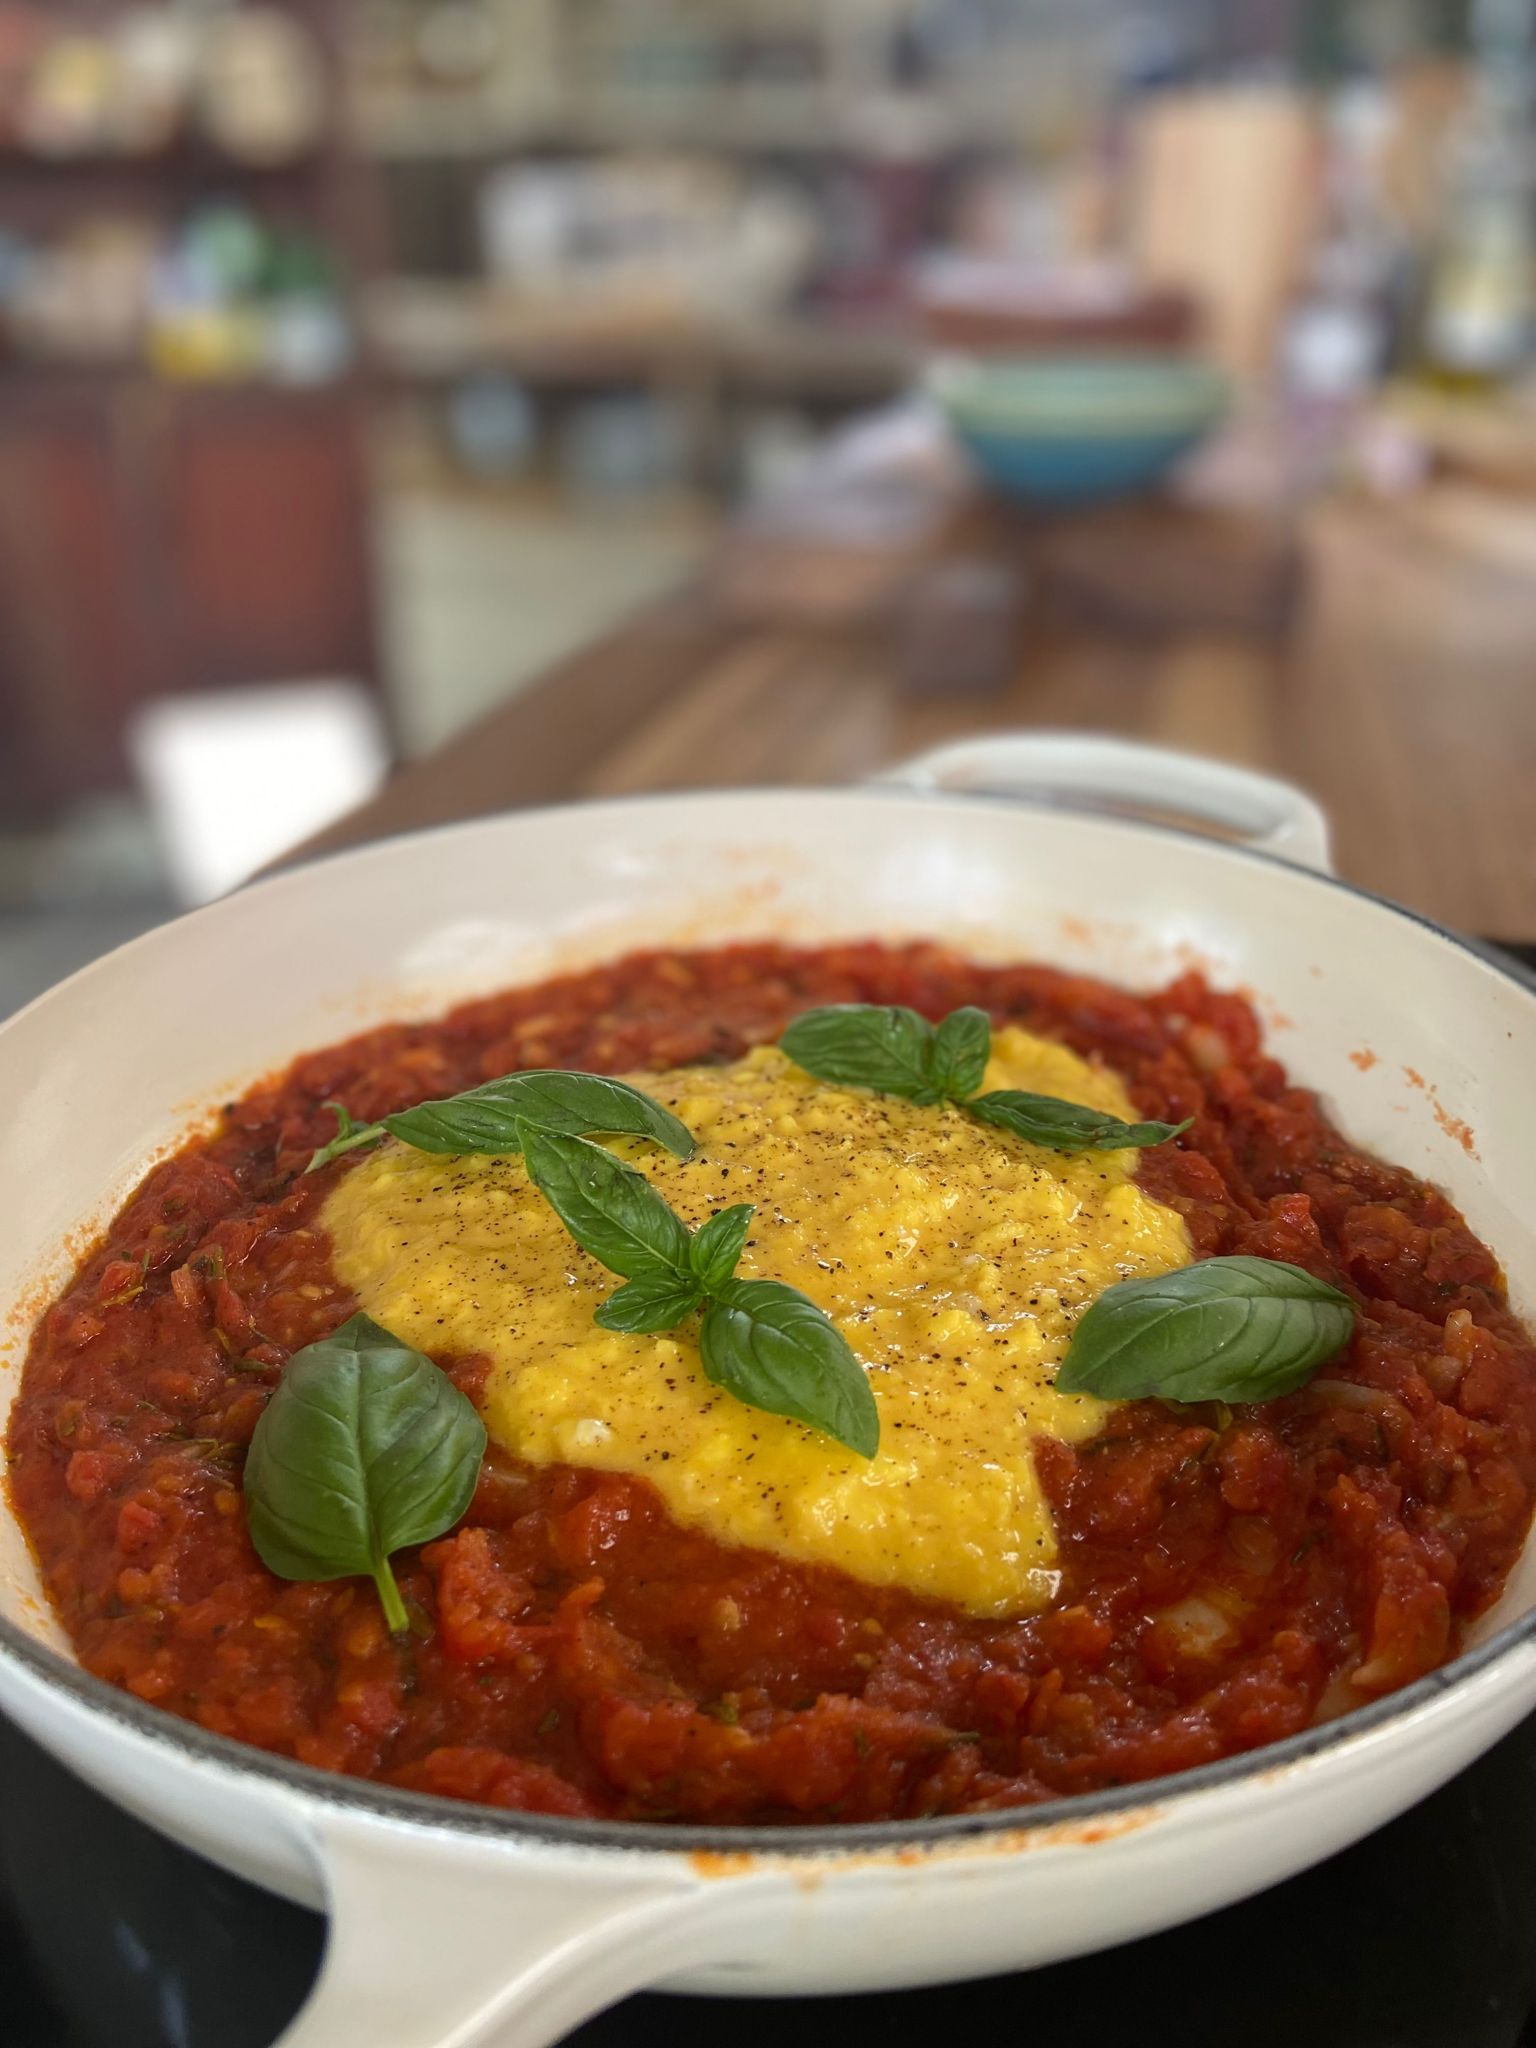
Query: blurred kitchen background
[984,361]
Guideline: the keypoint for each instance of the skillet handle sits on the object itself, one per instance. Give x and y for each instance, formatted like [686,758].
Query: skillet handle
[443,1940]
[1093,771]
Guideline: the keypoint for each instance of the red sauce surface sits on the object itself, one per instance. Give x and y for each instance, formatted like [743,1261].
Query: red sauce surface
[1229,1577]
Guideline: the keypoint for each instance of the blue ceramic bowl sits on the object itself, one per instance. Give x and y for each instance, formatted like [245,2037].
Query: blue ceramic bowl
[1070,430]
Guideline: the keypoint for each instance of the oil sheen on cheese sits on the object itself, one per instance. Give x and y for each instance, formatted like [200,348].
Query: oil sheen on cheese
[954,1258]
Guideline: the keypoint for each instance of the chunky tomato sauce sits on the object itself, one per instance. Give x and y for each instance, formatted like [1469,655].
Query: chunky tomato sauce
[1229,1576]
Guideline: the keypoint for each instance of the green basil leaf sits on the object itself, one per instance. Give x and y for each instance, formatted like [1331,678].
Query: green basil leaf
[717,1244]
[865,1045]
[365,1447]
[774,1349]
[1238,1329]
[897,1052]
[485,1119]
[348,1137]
[1066,1126]
[612,1212]
[646,1307]
[962,1045]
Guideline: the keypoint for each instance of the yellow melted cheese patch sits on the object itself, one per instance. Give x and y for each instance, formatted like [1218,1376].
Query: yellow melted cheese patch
[954,1258]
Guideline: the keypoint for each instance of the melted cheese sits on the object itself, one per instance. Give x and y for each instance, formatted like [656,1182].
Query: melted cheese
[954,1258]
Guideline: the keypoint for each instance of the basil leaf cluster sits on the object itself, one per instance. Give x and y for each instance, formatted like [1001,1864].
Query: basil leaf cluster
[895,1051]
[766,1343]
[1228,1329]
[365,1447]
[488,1118]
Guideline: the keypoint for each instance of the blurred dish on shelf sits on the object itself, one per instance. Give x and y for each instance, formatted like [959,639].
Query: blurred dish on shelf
[67,95]
[262,85]
[251,83]
[1072,430]
[82,300]
[223,294]
[157,54]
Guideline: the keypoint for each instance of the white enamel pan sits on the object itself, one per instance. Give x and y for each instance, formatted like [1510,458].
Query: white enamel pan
[454,1925]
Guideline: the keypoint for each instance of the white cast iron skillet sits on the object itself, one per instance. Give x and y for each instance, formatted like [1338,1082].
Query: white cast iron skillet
[455,1925]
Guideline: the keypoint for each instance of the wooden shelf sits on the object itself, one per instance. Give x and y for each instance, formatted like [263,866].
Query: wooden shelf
[186,158]
[425,332]
[913,126]
[21,373]
[427,127]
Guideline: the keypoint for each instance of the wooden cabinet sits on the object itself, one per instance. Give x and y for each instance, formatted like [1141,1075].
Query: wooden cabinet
[266,536]
[157,538]
[74,630]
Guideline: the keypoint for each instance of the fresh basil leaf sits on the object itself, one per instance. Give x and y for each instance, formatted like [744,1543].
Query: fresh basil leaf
[1066,1126]
[961,1047]
[865,1045]
[897,1052]
[485,1119]
[717,1246]
[612,1212]
[647,1306]
[774,1349]
[1236,1329]
[365,1447]
[348,1137]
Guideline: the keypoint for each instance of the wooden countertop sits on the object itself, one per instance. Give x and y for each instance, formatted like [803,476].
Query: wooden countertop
[1395,678]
